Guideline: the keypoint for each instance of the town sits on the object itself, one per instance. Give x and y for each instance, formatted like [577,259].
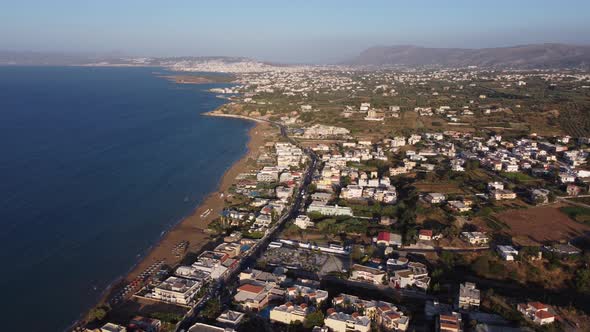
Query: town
[394,199]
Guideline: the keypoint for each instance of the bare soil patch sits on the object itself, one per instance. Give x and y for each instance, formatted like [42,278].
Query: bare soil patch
[541,224]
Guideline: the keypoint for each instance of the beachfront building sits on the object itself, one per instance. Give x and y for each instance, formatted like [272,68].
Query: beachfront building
[268,174]
[176,290]
[189,272]
[231,249]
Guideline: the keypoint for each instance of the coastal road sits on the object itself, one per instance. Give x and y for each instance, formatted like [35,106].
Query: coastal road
[257,249]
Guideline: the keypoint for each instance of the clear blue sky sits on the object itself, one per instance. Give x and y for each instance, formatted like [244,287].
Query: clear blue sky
[288,31]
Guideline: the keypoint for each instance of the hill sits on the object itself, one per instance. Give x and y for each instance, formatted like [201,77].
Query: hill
[523,56]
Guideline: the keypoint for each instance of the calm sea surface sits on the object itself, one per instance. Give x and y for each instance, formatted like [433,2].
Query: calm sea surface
[95,163]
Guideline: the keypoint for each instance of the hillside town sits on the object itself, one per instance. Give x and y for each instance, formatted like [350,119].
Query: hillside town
[390,200]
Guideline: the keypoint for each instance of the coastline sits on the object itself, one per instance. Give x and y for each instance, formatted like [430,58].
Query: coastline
[192,228]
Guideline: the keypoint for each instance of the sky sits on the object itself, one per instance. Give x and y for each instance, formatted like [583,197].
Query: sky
[313,31]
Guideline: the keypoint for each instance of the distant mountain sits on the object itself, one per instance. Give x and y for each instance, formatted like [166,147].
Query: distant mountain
[523,56]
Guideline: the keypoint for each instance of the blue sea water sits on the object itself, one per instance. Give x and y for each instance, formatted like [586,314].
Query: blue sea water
[94,164]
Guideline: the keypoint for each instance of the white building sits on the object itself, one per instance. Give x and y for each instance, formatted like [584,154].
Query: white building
[342,322]
[435,198]
[289,313]
[302,221]
[284,193]
[367,274]
[475,238]
[469,296]
[537,312]
[329,210]
[507,252]
[351,192]
[176,290]
[416,274]
[268,174]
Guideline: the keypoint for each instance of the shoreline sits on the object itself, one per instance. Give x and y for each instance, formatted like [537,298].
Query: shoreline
[191,228]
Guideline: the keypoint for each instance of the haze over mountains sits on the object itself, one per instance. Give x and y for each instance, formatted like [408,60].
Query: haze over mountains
[522,56]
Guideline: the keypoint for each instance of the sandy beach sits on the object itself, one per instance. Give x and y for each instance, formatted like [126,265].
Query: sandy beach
[192,229]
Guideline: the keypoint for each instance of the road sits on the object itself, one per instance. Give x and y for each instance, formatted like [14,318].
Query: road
[385,289]
[253,253]
[441,249]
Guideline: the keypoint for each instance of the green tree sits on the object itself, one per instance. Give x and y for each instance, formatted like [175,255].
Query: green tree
[357,253]
[448,259]
[316,318]
[98,313]
[212,309]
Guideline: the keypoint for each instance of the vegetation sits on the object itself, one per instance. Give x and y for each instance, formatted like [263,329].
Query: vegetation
[212,309]
[98,313]
[316,318]
[577,213]
[582,280]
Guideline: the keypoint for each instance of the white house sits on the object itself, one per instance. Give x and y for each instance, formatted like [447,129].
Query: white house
[342,322]
[435,198]
[507,252]
[302,221]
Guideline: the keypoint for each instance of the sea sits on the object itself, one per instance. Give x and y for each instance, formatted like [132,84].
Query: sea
[95,165]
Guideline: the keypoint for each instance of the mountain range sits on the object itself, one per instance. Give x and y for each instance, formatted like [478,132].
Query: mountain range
[540,56]
[522,56]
